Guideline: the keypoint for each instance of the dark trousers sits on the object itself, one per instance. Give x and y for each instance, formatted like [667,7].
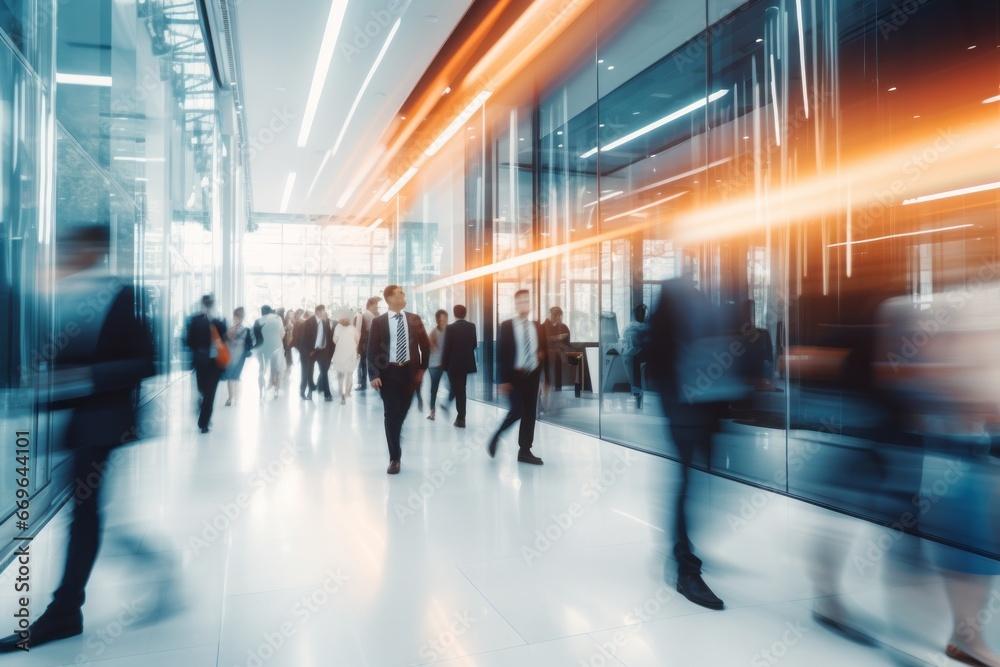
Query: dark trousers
[308,366]
[207,374]
[689,439]
[523,407]
[324,378]
[436,374]
[363,366]
[458,391]
[397,394]
[88,470]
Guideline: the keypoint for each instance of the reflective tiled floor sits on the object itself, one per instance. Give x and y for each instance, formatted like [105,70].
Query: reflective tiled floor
[278,539]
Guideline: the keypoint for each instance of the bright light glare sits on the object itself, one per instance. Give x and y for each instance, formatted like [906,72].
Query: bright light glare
[333,23]
[952,193]
[456,124]
[694,106]
[896,236]
[83,80]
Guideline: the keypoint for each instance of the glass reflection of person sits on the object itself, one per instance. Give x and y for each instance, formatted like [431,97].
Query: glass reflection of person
[94,377]
[557,337]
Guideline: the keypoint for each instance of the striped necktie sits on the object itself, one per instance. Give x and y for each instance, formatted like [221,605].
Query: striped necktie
[401,356]
[529,357]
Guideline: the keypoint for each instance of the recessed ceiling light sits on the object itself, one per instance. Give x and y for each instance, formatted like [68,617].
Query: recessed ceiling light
[760,39]
[521,139]
[892,89]
[971,47]
[601,125]
[446,91]
[746,137]
[635,113]
[917,116]
[601,61]
[559,133]
[430,18]
[560,145]
[611,67]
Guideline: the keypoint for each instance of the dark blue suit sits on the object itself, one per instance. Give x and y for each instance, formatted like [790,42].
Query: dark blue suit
[459,359]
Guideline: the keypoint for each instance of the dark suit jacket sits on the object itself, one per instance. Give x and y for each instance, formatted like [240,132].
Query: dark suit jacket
[199,337]
[114,351]
[506,351]
[378,345]
[460,342]
[307,340]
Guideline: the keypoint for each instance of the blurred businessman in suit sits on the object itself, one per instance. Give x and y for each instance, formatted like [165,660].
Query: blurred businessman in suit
[522,354]
[198,337]
[316,346]
[398,355]
[95,377]
[459,359]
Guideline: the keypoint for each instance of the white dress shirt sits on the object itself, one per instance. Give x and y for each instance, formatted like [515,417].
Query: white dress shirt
[320,334]
[520,362]
[393,333]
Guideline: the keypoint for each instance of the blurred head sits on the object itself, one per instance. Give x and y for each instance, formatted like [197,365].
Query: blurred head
[556,313]
[522,302]
[82,247]
[306,315]
[321,311]
[441,317]
[460,312]
[372,305]
[640,313]
[345,321]
[395,298]
[208,302]
[238,314]
[265,310]
[280,313]
[299,313]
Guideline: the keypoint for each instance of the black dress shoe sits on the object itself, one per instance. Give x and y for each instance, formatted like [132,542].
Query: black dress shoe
[460,423]
[694,588]
[393,468]
[328,398]
[48,628]
[844,629]
[491,449]
[528,457]
[204,429]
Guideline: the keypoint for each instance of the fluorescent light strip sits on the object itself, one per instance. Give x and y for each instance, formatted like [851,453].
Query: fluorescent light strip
[458,123]
[952,193]
[289,185]
[333,23]
[364,86]
[895,236]
[375,224]
[679,177]
[605,198]
[802,57]
[991,100]
[694,106]
[403,180]
[126,158]
[83,80]
[643,208]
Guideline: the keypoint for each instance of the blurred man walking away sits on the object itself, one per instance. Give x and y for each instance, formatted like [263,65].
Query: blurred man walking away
[204,344]
[459,359]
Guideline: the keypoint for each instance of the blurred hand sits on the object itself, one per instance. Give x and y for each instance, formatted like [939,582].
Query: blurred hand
[505,388]
[377,383]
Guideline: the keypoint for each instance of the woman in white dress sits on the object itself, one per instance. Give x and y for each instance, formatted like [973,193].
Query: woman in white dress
[345,355]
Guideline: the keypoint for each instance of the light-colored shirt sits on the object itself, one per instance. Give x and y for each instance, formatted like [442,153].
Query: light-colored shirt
[437,348]
[393,333]
[520,361]
[320,334]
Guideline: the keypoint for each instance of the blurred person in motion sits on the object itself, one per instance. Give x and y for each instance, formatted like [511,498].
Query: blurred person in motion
[286,316]
[435,367]
[239,340]
[398,354]
[459,359]
[316,347]
[522,351]
[204,333]
[364,324]
[95,376]
[689,341]
[941,364]
[268,333]
[345,355]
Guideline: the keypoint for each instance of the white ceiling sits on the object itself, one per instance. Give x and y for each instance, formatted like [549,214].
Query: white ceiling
[279,45]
